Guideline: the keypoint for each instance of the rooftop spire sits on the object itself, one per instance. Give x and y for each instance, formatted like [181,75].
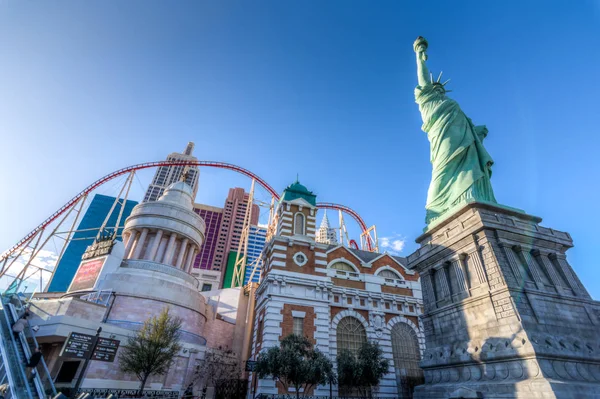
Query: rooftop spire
[189,148]
[326,234]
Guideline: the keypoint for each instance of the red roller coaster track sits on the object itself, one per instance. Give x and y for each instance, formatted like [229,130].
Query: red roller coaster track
[221,165]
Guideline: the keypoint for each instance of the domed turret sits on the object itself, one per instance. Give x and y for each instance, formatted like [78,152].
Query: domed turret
[166,231]
[179,193]
[297,190]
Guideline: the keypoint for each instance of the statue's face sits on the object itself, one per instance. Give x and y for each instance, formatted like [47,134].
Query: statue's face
[439,90]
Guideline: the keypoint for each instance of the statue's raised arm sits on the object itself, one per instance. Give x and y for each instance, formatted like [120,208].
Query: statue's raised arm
[461,165]
[420,47]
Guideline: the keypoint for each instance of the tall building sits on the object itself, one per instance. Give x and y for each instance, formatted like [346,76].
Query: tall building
[232,224]
[86,232]
[256,243]
[167,175]
[326,234]
[212,217]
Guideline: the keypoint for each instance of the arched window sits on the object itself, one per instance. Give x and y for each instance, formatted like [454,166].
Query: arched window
[343,269]
[350,334]
[299,224]
[405,350]
[342,266]
[391,277]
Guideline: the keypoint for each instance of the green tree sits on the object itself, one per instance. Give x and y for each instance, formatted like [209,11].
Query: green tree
[295,363]
[362,371]
[153,348]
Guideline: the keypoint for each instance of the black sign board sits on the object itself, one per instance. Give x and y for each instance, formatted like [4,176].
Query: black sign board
[78,346]
[98,248]
[105,350]
[250,365]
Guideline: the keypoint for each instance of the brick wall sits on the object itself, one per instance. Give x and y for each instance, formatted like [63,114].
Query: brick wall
[348,283]
[385,260]
[287,325]
[396,290]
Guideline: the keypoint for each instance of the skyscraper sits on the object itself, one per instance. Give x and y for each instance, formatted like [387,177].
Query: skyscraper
[326,234]
[212,217]
[256,243]
[232,224]
[87,230]
[167,175]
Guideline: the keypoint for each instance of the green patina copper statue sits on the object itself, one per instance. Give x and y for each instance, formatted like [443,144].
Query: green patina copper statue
[461,166]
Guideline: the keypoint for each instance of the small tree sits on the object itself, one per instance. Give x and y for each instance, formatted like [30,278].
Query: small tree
[295,363]
[364,370]
[152,349]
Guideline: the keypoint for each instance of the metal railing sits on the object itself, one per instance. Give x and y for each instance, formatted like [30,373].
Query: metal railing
[129,393]
[42,384]
[7,383]
[12,363]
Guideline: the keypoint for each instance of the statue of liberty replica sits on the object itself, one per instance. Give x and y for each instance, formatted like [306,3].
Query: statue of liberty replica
[505,315]
[461,165]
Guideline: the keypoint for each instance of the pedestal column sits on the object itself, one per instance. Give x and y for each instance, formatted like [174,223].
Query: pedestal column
[130,240]
[140,244]
[151,254]
[168,258]
[192,252]
[180,256]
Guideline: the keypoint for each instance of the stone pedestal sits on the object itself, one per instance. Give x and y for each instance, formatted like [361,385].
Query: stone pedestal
[505,314]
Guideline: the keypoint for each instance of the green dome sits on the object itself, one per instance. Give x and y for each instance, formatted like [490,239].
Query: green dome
[297,190]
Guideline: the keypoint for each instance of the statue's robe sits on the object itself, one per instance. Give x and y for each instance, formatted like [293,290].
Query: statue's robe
[461,166]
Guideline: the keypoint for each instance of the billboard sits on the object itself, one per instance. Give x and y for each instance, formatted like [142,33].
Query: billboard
[87,274]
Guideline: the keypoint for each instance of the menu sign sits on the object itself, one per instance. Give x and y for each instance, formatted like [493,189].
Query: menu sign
[78,346]
[105,350]
[87,274]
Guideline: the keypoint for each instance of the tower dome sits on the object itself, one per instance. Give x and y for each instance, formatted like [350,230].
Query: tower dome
[179,193]
[297,190]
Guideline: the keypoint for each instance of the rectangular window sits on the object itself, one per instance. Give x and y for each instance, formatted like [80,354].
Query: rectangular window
[411,308]
[298,327]
[362,302]
[206,287]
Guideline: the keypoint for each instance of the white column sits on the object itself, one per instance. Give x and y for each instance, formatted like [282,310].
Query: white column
[140,244]
[168,258]
[151,253]
[193,251]
[182,249]
[132,236]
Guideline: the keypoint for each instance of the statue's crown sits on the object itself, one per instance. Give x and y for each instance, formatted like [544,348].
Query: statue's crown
[438,82]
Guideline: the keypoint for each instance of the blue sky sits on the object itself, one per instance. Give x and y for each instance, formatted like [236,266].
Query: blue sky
[323,89]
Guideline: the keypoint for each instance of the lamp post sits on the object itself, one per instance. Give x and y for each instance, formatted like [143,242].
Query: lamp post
[85,364]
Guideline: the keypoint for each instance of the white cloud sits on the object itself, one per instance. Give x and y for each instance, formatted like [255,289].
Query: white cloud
[394,244]
[45,259]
